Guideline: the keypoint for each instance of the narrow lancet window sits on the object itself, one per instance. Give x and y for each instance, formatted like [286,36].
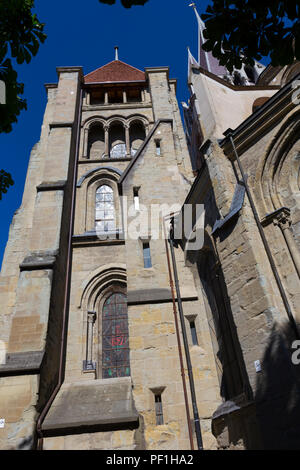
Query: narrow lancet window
[136,198]
[147,255]
[159,410]
[157,146]
[194,333]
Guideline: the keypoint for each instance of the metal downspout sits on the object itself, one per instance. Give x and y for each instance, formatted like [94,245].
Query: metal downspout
[186,346]
[229,134]
[188,417]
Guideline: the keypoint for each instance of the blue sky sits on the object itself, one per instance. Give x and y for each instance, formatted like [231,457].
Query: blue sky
[85,33]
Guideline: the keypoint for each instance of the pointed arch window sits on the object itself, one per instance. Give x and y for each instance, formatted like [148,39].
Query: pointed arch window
[115,337]
[105,209]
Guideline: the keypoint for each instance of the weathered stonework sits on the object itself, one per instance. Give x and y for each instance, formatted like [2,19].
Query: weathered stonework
[87,245]
[87,411]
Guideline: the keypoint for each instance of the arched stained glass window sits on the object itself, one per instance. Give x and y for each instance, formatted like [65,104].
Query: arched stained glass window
[115,339]
[105,210]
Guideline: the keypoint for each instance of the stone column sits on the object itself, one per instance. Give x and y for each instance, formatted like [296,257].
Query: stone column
[106,97]
[283,220]
[85,142]
[88,97]
[106,141]
[127,140]
[91,318]
[124,97]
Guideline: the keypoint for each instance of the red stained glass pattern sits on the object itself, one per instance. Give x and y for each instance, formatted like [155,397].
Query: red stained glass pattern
[115,342]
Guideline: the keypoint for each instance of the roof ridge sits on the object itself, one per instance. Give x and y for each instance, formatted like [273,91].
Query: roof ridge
[93,71]
[132,66]
[111,62]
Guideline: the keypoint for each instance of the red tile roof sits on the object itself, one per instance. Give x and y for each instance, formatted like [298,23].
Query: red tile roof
[116,71]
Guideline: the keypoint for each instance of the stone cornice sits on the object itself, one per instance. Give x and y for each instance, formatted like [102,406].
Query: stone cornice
[76,69]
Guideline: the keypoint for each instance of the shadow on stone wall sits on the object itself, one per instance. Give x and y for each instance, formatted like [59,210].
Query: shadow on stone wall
[272,420]
[278,392]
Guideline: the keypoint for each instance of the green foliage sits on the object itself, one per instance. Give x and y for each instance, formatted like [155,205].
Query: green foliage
[14,104]
[20,31]
[20,36]
[125,3]
[241,31]
[5,182]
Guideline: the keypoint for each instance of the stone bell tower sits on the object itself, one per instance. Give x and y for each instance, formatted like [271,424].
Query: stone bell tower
[89,351]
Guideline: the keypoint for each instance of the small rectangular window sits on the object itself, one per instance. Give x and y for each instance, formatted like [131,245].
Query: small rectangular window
[158,149]
[147,255]
[194,333]
[159,410]
[136,199]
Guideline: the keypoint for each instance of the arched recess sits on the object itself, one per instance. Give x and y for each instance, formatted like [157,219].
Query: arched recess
[104,308]
[117,140]
[206,268]
[278,183]
[87,187]
[279,171]
[137,134]
[291,72]
[93,138]
[96,141]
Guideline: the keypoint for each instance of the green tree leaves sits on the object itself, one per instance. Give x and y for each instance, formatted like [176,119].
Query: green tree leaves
[125,3]
[21,34]
[5,182]
[247,30]
[20,29]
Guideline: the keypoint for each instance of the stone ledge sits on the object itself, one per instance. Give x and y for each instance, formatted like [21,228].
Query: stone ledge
[92,239]
[28,362]
[38,261]
[55,125]
[52,186]
[97,404]
[230,406]
[151,296]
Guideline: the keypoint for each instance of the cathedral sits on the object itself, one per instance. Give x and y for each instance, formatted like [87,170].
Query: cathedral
[150,284]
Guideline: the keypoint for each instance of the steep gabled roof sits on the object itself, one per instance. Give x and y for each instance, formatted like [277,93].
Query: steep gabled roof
[115,72]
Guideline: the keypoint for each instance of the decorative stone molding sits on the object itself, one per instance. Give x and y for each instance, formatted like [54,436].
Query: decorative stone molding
[283,219]
[280,217]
